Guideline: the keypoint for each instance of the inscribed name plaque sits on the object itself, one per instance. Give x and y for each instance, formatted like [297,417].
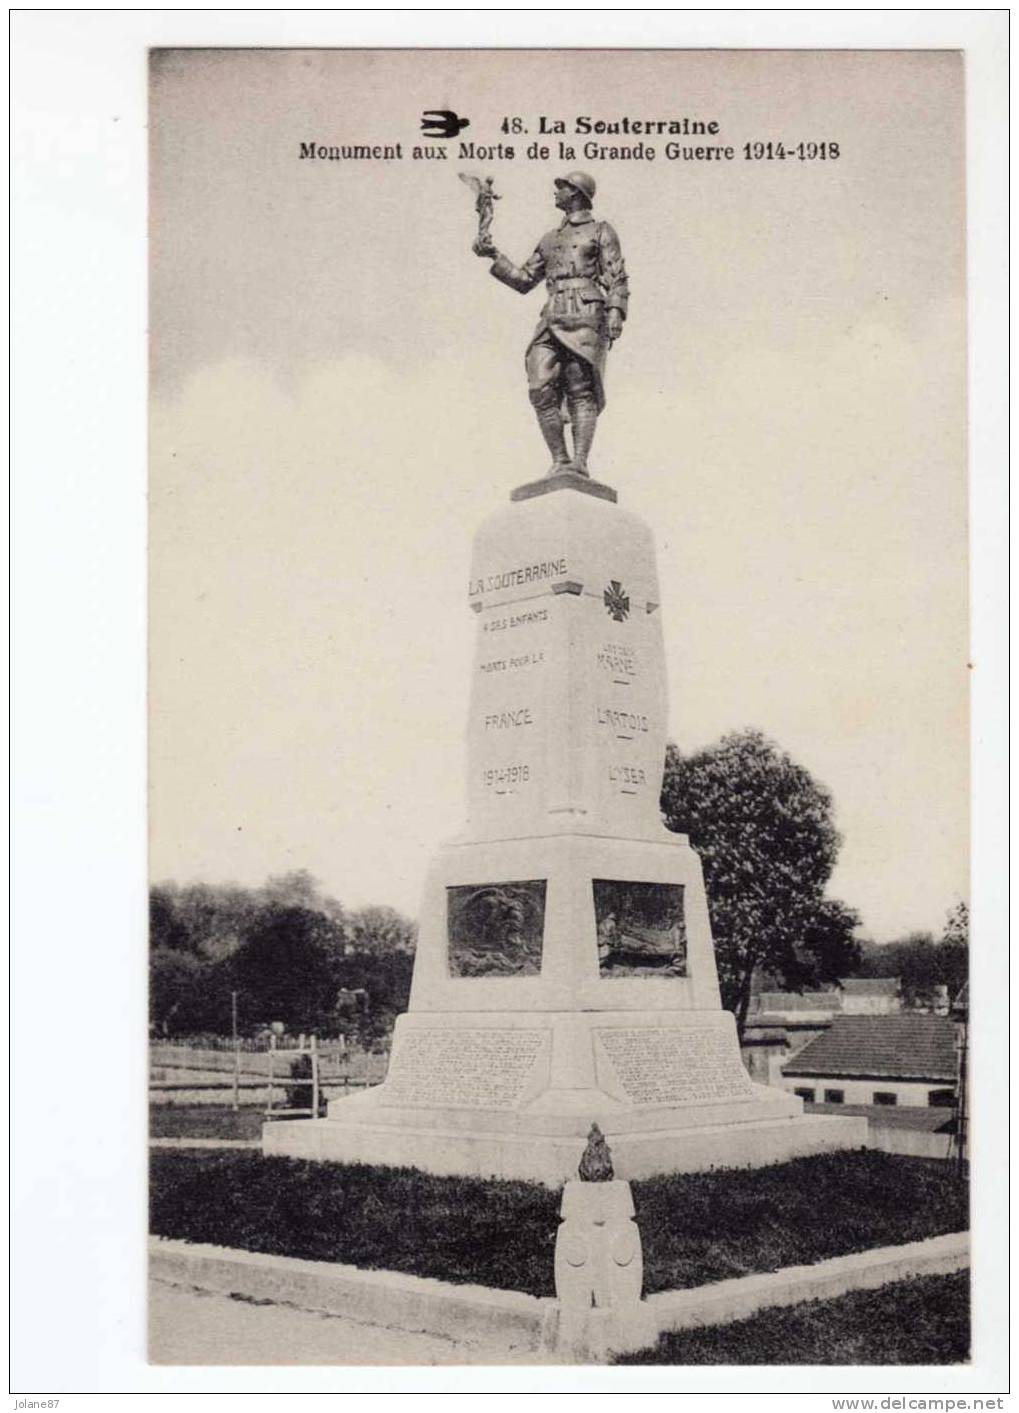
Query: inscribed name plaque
[641,928]
[509,719]
[496,929]
[464,1069]
[655,1065]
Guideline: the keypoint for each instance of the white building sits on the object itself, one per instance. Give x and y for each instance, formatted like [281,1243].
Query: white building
[871,996]
[877,1060]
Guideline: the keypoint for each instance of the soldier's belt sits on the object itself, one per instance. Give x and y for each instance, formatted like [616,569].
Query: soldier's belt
[556,283]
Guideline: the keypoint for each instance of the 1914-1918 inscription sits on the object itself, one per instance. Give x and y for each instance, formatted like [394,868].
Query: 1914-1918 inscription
[464,1069]
[672,1066]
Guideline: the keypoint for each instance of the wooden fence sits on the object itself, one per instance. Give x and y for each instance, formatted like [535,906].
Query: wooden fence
[244,1068]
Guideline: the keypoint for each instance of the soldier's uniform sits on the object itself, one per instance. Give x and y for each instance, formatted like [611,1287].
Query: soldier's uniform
[582,266]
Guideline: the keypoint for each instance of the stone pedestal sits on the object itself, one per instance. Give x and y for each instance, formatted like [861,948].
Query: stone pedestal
[565,972]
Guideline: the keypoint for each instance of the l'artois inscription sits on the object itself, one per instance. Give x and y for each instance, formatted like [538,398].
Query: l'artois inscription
[626,724]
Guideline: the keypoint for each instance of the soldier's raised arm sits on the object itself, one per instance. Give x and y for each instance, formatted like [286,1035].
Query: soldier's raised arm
[522,278]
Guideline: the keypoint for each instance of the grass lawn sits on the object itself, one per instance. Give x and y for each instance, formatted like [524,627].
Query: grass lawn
[205,1121]
[499,1234]
[924,1321]
[699,1227]
[696,1228]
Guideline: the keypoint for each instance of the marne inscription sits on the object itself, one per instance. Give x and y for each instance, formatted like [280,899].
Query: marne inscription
[659,1066]
[619,660]
[464,1069]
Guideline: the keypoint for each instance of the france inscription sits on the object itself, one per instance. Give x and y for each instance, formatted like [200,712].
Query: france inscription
[660,1066]
[464,1069]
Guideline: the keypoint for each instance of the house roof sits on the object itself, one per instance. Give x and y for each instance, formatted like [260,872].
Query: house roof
[884,1047]
[822,1001]
[870,985]
[779,1020]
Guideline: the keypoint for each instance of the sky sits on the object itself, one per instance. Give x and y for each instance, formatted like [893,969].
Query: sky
[338,400]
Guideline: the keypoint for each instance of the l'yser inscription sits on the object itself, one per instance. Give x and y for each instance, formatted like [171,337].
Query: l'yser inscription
[656,1065]
[464,1069]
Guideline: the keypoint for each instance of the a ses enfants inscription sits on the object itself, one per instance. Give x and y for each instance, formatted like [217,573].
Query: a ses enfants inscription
[464,1069]
[666,1066]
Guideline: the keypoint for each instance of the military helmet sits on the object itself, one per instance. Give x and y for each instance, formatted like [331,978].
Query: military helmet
[580,181]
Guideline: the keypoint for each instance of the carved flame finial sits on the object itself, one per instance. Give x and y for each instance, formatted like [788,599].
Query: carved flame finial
[596,1163]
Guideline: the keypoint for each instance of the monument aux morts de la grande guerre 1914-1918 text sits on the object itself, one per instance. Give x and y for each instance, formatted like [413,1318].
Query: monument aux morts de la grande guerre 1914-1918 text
[565,974]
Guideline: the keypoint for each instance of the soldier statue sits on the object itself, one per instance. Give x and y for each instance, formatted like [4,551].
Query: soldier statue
[582,266]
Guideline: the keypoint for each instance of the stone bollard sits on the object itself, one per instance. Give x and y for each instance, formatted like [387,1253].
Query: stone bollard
[599,1266]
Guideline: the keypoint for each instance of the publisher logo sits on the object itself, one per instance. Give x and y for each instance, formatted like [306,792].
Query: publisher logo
[440,122]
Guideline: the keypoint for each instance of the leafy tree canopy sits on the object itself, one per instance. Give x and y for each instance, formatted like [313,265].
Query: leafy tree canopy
[923,962]
[764,830]
[286,948]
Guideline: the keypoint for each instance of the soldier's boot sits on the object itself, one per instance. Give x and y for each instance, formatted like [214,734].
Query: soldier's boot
[546,409]
[584,417]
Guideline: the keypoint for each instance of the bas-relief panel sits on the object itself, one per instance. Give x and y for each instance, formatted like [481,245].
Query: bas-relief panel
[641,928]
[495,929]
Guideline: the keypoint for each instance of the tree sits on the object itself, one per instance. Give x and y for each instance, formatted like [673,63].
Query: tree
[209,920]
[923,962]
[167,930]
[386,977]
[175,979]
[300,889]
[380,929]
[764,831]
[954,950]
[285,968]
[956,933]
[829,949]
[287,948]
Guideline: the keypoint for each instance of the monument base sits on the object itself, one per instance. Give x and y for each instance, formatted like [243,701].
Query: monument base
[501,1095]
[568,480]
[553,1160]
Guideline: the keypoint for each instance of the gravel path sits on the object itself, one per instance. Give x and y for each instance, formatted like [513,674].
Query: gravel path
[205,1143]
[188,1326]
